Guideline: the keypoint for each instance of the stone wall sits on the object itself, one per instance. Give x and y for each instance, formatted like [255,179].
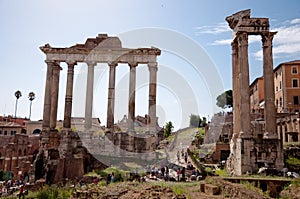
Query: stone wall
[17,153]
[63,156]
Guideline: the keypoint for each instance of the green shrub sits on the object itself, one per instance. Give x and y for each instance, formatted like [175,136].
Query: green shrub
[292,160]
[222,172]
[118,174]
[52,192]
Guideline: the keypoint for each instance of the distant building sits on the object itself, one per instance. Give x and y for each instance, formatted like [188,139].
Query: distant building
[77,123]
[140,124]
[11,126]
[287,87]
[257,95]
[17,153]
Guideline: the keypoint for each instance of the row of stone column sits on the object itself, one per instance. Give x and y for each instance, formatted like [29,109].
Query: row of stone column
[131,105]
[291,126]
[52,89]
[240,74]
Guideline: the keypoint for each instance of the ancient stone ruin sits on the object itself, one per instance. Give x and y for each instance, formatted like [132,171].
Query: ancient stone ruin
[252,145]
[62,154]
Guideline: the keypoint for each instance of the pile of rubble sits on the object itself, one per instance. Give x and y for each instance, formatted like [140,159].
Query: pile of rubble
[126,190]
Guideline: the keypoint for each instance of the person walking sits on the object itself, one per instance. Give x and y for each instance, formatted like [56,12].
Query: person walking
[21,192]
[178,174]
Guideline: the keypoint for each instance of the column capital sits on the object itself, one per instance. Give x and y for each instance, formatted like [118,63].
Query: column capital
[133,64]
[71,62]
[57,66]
[53,62]
[91,63]
[234,46]
[112,64]
[267,38]
[242,38]
[152,66]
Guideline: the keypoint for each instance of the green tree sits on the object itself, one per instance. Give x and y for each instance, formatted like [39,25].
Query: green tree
[225,99]
[18,94]
[195,121]
[168,129]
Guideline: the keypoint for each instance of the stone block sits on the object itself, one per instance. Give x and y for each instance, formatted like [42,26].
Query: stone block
[202,187]
[211,189]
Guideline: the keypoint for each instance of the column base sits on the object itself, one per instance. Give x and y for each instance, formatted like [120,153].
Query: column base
[245,135]
[268,135]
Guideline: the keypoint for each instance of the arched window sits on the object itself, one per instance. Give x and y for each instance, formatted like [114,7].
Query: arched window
[23,131]
[36,131]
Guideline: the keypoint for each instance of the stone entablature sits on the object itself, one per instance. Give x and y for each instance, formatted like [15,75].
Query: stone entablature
[100,55]
[241,22]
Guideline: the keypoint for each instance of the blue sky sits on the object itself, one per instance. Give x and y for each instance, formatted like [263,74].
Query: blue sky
[199,27]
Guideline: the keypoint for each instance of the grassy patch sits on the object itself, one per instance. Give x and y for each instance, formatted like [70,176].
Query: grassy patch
[295,183]
[51,192]
[292,160]
[179,188]
[222,172]
[286,144]
[119,175]
[171,137]
[252,187]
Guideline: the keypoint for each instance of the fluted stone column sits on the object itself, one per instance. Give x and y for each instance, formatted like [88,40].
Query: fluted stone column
[54,95]
[69,95]
[269,111]
[152,96]
[131,96]
[244,110]
[89,95]
[235,89]
[47,98]
[111,96]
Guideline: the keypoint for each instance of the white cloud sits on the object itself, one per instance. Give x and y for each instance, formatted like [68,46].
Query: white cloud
[252,39]
[215,29]
[295,21]
[222,42]
[258,55]
[286,42]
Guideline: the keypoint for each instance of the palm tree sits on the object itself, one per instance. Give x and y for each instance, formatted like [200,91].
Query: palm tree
[31,96]
[18,94]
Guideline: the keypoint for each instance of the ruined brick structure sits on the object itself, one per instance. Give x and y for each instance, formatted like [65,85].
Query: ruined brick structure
[17,153]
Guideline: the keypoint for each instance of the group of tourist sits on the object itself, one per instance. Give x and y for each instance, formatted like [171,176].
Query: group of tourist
[158,172]
[9,187]
[184,155]
[110,178]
